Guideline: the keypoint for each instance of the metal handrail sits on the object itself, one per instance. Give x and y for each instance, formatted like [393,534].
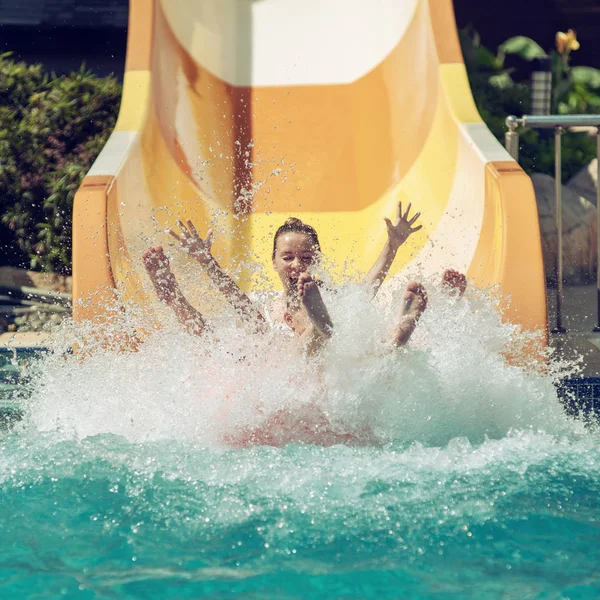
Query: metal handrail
[560,123]
[549,121]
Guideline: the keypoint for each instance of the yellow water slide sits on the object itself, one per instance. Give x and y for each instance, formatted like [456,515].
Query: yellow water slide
[240,113]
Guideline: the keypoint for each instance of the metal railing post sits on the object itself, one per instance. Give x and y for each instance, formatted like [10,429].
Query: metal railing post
[558,131]
[597,328]
[560,124]
[511,137]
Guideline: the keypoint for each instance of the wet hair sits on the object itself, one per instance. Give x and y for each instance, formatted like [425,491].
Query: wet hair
[293,225]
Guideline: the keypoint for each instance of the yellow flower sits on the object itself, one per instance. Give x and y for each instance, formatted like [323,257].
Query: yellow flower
[566,42]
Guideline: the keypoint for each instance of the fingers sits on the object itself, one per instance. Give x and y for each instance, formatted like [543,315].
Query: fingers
[181,226]
[404,216]
[192,228]
[172,233]
[414,229]
[189,233]
[389,225]
[411,221]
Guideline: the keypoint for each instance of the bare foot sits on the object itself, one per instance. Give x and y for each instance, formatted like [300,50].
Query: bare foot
[414,303]
[158,268]
[311,299]
[454,280]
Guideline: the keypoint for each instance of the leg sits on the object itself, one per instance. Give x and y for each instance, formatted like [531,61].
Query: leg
[415,302]
[299,322]
[454,280]
[168,291]
[311,299]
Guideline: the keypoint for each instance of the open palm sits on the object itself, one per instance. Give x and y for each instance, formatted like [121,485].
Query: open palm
[192,243]
[403,229]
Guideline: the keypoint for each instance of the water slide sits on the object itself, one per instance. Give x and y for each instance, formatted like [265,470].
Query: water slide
[240,113]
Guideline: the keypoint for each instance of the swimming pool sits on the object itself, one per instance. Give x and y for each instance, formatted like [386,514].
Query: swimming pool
[480,486]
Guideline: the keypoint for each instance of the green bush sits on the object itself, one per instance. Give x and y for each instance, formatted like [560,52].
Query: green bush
[51,130]
[500,90]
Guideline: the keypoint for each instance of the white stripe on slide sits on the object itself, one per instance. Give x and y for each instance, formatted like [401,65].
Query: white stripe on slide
[454,241]
[113,154]
[484,142]
[289,42]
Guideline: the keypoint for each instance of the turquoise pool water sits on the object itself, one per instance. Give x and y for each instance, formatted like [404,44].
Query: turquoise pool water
[117,482]
[514,518]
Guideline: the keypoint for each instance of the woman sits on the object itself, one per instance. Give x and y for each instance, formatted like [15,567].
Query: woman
[300,308]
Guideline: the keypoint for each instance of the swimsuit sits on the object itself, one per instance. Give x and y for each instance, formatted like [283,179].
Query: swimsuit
[264,301]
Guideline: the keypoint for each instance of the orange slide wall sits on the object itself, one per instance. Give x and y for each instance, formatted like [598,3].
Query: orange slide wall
[237,114]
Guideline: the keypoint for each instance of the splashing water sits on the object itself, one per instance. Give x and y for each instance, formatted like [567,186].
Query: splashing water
[460,475]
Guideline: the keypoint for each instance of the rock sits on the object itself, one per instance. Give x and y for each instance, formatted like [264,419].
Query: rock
[14,277]
[51,281]
[579,232]
[585,183]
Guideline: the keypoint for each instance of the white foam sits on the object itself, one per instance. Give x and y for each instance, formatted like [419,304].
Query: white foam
[451,381]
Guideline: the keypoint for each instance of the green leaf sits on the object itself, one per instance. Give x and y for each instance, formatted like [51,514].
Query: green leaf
[522,46]
[586,75]
[486,59]
[561,89]
[501,81]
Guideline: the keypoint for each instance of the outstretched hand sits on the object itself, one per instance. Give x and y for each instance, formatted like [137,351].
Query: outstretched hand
[400,232]
[192,243]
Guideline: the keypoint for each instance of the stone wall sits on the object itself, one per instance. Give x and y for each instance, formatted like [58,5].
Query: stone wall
[580,225]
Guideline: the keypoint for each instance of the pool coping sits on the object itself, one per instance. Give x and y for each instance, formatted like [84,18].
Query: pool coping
[30,341]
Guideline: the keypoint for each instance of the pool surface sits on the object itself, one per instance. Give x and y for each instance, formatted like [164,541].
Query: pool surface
[116,483]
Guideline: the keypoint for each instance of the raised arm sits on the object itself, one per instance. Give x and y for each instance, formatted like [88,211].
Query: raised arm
[397,235]
[199,249]
[168,291]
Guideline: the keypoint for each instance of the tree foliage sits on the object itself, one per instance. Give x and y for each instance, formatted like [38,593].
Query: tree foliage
[51,130]
[500,86]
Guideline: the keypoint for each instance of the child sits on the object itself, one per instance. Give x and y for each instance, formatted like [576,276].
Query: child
[300,307]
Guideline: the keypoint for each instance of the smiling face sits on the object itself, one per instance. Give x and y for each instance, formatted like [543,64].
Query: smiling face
[294,254]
